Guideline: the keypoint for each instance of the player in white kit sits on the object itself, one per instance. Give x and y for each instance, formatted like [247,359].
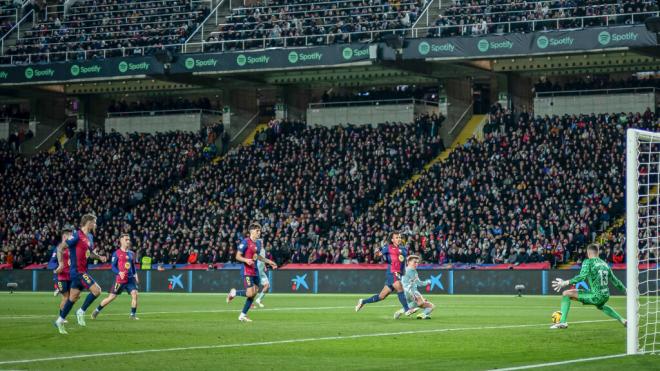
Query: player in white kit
[263,278]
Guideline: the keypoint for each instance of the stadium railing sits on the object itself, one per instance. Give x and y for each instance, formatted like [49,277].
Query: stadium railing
[174,22]
[518,4]
[57,10]
[17,28]
[273,8]
[559,93]
[162,112]
[200,28]
[10,17]
[350,103]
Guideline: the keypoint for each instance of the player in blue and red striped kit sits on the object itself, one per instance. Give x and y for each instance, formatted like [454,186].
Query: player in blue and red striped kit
[123,264]
[62,270]
[248,254]
[81,245]
[395,256]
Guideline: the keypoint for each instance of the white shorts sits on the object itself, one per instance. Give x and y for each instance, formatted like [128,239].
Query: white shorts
[411,296]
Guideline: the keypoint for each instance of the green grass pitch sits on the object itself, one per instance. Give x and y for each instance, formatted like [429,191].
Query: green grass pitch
[309,332]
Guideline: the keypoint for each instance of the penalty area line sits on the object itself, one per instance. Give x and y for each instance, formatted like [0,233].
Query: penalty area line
[559,363]
[277,342]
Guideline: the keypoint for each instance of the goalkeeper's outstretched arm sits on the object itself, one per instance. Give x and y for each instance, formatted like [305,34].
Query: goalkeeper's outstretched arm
[584,273]
[559,283]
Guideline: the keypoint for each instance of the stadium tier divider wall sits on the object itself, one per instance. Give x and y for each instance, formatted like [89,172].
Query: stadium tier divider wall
[158,123]
[368,113]
[587,104]
[326,281]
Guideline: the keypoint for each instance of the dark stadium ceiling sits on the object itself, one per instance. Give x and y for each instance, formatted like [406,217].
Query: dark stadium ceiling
[384,73]
[624,61]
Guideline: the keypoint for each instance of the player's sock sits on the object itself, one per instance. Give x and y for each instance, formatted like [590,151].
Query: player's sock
[67,308]
[88,301]
[240,292]
[428,311]
[565,306]
[261,296]
[610,312]
[402,299]
[372,299]
[99,308]
[248,304]
[133,310]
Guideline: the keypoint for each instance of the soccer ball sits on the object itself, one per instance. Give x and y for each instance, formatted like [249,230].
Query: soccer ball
[556,317]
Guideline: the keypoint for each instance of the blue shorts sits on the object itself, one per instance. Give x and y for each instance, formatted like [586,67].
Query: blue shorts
[82,281]
[249,281]
[391,278]
[117,288]
[63,286]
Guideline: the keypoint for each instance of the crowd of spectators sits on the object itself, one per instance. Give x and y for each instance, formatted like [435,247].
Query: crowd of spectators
[614,241]
[107,174]
[535,189]
[518,197]
[127,27]
[170,104]
[480,17]
[429,94]
[596,83]
[299,182]
[267,23]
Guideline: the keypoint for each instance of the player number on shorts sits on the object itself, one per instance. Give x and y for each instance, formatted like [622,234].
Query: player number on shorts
[603,277]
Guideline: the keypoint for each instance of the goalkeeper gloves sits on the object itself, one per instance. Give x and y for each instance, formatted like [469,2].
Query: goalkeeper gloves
[559,284]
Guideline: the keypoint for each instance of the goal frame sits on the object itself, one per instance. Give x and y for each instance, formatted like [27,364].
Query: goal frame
[632,234]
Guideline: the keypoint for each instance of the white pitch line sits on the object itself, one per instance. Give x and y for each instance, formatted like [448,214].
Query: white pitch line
[539,365]
[312,295]
[278,342]
[31,316]
[51,315]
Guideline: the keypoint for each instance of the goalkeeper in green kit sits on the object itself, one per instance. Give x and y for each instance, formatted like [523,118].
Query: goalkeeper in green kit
[598,273]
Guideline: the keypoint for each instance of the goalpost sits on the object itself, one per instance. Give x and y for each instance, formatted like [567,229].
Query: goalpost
[642,241]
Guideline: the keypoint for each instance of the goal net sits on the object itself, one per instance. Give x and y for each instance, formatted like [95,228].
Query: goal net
[642,240]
